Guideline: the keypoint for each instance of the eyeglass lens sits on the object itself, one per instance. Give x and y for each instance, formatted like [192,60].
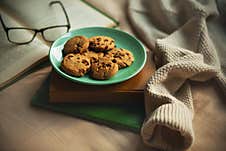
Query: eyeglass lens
[20,35]
[52,34]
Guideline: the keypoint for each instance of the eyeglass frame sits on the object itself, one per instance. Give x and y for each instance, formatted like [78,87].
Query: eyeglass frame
[6,29]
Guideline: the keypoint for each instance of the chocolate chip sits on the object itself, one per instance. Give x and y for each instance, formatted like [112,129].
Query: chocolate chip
[114,60]
[85,62]
[108,65]
[70,56]
[95,60]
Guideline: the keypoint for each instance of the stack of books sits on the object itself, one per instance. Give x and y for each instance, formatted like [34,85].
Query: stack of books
[131,91]
[120,105]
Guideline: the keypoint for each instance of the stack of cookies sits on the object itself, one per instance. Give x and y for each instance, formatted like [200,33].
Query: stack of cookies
[97,56]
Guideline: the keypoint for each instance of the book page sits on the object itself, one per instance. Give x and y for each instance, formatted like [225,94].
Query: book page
[15,59]
[38,14]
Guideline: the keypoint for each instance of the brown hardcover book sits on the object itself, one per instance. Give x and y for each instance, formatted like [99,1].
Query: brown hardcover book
[62,90]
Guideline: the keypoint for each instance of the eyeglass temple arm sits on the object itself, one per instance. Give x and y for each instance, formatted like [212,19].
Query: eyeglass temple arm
[62,6]
[3,24]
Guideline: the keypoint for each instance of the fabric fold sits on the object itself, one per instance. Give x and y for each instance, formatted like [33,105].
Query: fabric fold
[169,127]
[183,52]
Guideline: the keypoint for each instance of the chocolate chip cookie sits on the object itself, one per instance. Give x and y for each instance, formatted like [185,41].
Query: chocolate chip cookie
[122,57]
[101,43]
[77,44]
[93,56]
[103,68]
[76,64]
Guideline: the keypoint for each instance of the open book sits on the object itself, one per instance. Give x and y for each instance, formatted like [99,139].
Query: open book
[17,59]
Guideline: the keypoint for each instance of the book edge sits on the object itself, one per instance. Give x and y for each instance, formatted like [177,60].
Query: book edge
[19,75]
[117,23]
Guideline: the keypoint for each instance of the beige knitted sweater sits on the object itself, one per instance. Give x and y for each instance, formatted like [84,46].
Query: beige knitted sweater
[178,34]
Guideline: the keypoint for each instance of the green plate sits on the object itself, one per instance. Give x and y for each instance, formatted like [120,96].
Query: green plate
[122,40]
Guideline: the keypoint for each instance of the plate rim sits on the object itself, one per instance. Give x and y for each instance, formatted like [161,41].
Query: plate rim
[64,75]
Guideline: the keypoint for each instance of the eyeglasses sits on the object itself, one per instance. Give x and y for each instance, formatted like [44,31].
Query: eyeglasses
[21,35]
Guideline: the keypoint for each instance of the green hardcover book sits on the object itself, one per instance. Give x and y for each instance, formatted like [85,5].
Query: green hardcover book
[126,116]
